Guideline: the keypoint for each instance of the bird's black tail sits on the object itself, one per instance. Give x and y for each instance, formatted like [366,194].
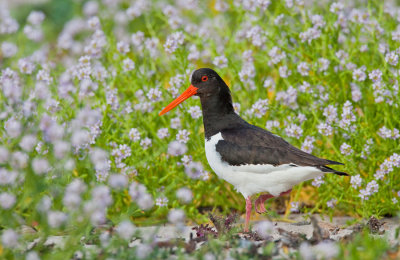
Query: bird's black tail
[328,169]
[334,162]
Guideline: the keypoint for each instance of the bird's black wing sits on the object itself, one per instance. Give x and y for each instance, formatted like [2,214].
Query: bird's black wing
[253,145]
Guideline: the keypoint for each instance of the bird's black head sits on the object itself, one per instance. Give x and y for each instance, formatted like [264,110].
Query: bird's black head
[207,82]
[210,87]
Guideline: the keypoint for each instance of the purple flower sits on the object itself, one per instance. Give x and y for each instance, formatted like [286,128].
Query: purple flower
[134,134]
[264,228]
[162,201]
[7,200]
[325,129]
[40,166]
[154,94]
[162,133]
[195,112]
[276,55]
[176,148]
[125,229]
[293,130]
[303,68]
[318,181]
[331,203]
[146,143]
[128,64]
[185,195]
[308,145]
[375,75]
[123,47]
[194,170]
[220,62]
[176,216]
[356,181]
[259,108]
[173,41]
[183,136]
[294,206]
[346,149]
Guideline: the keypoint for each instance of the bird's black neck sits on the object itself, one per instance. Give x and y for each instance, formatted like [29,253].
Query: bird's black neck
[218,113]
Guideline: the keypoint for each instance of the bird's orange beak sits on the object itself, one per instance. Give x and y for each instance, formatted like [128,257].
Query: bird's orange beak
[190,91]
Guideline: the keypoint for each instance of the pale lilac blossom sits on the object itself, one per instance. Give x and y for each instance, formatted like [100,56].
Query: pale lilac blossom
[220,62]
[185,195]
[183,136]
[134,134]
[146,143]
[176,148]
[7,200]
[163,133]
[125,229]
[294,130]
[355,181]
[162,201]
[346,149]
[318,181]
[9,238]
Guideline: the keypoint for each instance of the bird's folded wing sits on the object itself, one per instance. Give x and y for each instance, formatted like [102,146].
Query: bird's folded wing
[258,146]
[237,155]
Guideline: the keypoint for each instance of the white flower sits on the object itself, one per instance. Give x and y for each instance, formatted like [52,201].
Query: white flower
[35,17]
[7,200]
[101,196]
[264,228]
[145,202]
[185,195]
[356,181]
[56,218]
[176,216]
[8,49]
[13,127]
[123,47]
[9,238]
[118,181]
[40,166]
[162,133]
[143,251]
[71,200]
[32,255]
[19,160]
[293,130]
[4,154]
[128,64]
[173,41]
[134,134]
[61,148]
[220,62]
[183,136]
[303,68]
[125,229]
[28,142]
[346,149]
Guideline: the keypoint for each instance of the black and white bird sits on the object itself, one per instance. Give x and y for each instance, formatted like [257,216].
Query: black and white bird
[252,159]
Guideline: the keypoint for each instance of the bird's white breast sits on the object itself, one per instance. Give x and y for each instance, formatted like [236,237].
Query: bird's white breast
[250,179]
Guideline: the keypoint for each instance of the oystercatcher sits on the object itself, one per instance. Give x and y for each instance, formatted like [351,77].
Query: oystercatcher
[249,157]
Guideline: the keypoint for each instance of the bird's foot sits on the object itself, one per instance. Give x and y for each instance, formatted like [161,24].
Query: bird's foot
[259,203]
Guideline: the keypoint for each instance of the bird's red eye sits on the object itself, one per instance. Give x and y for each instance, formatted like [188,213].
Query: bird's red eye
[204,78]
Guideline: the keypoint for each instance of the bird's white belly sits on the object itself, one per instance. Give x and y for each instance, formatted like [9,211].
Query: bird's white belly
[251,179]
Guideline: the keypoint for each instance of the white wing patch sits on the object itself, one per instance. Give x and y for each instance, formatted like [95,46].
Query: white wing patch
[251,179]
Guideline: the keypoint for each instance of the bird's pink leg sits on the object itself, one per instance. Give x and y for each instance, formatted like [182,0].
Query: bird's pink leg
[259,203]
[248,212]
